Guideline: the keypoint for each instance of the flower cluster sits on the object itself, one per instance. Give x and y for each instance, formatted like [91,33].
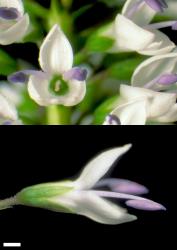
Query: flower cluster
[151,97]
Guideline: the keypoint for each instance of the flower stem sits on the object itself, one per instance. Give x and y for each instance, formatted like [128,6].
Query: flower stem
[58,115]
[8,203]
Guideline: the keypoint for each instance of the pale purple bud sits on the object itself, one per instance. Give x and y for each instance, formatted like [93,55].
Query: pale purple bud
[167,79]
[76,73]
[145,205]
[9,13]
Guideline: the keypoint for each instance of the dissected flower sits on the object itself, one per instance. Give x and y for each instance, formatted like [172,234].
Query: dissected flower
[84,195]
[13,22]
[132,31]
[58,83]
[139,105]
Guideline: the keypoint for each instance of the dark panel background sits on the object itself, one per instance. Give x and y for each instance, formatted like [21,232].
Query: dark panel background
[30,155]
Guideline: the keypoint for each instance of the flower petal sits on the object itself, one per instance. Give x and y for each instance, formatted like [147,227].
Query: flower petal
[142,16]
[158,103]
[96,208]
[160,45]
[38,89]
[17,4]
[16,32]
[131,37]
[122,186]
[56,55]
[132,113]
[7,109]
[170,116]
[99,166]
[153,67]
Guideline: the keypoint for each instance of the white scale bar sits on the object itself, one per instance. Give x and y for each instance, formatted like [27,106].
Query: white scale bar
[11,244]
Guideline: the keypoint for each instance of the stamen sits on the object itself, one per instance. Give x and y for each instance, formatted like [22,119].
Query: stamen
[166,79]
[9,13]
[161,25]
[145,205]
[23,76]
[112,120]
[122,186]
[18,77]
[133,201]
[76,73]
[157,5]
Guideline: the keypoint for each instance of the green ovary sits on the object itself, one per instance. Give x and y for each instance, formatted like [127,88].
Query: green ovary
[58,86]
[42,196]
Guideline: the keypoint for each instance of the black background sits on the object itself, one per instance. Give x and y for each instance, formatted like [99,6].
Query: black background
[31,155]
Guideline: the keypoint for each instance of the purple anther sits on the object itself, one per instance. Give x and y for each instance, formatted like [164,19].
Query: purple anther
[7,122]
[145,205]
[167,79]
[9,13]
[18,77]
[76,73]
[23,75]
[112,120]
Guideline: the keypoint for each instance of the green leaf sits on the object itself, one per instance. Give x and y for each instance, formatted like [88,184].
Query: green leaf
[112,3]
[98,43]
[35,9]
[8,64]
[123,70]
[81,11]
[104,109]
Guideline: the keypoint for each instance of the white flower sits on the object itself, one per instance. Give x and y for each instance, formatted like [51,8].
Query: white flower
[60,83]
[83,197]
[8,112]
[139,105]
[157,72]
[132,31]
[13,22]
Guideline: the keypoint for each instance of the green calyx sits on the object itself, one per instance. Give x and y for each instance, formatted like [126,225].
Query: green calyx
[58,86]
[43,195]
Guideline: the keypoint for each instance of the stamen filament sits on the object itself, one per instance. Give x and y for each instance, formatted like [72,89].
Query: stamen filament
[161,25]
[116,195]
